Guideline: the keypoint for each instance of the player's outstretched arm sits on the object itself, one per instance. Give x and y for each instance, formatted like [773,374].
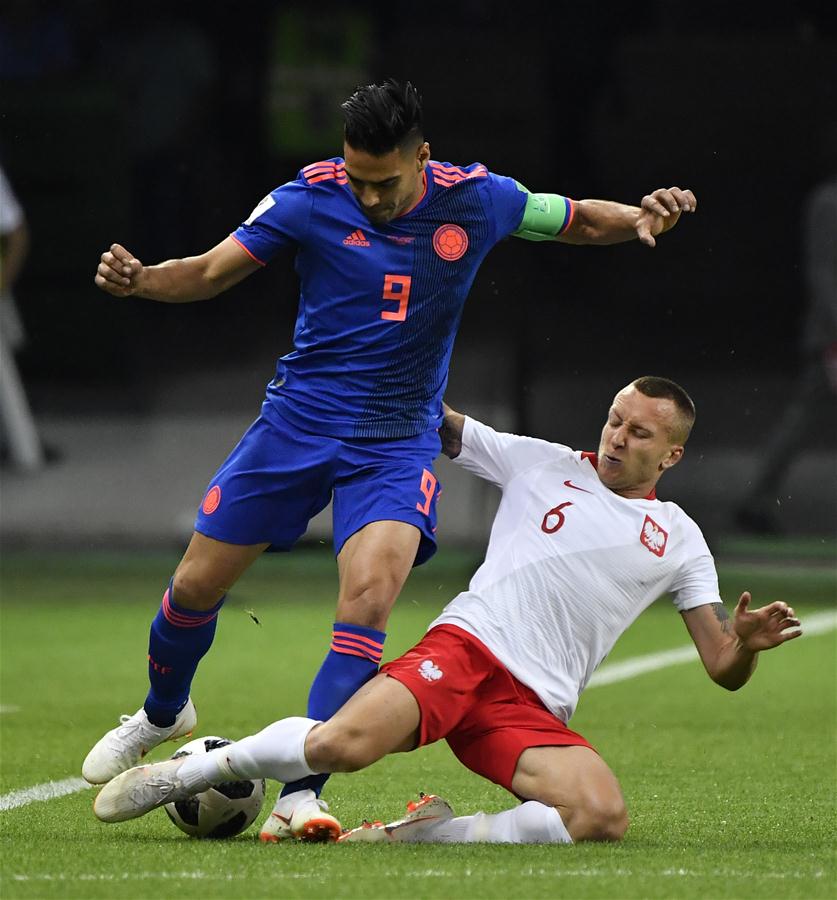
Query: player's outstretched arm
[608,222]
[451,431]
[121,274]
[729,648]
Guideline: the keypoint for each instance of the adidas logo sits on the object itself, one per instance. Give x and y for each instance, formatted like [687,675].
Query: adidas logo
[356,239]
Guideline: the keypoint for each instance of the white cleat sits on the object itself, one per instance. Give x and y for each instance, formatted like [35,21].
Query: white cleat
[300,816]
[137,791]
[427,810]
[124,746]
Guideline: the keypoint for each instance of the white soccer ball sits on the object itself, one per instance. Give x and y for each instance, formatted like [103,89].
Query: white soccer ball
[222,811]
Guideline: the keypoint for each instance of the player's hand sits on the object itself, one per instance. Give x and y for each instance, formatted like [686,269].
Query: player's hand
[660,211]
[119,272]
[761,629]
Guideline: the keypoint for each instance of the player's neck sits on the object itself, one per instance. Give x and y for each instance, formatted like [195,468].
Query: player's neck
[417,195]
[647,491]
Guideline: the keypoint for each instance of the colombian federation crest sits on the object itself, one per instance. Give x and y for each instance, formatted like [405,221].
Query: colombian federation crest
[450,242]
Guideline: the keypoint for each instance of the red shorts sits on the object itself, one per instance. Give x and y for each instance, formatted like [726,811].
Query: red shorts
[469,697]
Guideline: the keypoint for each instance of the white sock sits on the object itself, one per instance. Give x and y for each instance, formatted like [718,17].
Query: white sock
[529,823]
[277,752]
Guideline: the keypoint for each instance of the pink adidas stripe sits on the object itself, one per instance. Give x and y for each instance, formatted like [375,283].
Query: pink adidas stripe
[349,635]
[349,651]
[179,620]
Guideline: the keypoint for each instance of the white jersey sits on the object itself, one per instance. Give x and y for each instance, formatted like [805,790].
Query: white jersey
[570,564]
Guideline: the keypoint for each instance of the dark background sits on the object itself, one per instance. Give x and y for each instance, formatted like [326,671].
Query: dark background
[161,125]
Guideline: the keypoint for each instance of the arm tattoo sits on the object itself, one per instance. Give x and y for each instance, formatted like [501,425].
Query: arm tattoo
[722,616]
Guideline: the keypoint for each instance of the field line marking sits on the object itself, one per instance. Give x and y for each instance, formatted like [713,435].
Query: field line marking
[8,708]
[50,790]
[818,623]
[639,665]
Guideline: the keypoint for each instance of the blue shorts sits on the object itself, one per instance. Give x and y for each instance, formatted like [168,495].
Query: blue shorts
[278,477]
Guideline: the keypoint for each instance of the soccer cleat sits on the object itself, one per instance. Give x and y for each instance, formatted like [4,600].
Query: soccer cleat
[300,816]
[427,810]
[124,746]
[139,790]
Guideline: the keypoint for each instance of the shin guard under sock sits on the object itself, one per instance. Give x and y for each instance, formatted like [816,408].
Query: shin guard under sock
[179,638]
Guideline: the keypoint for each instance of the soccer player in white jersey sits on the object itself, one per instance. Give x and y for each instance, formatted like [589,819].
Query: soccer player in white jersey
[579,547]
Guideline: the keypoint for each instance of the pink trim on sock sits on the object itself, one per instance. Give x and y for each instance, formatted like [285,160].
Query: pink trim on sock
[179,620]
[348,650]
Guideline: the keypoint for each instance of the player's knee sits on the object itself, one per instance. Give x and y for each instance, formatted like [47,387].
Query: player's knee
[368,600]
[601,818]
[194,588]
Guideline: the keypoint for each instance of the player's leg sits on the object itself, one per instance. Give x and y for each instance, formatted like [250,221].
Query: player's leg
[372,566]
[381,718]
[578,783]
[265,493]
[569,795]
[180,635]
[569,792]
[412,703]
[430,820]
[384,524]
[509,737]
[184,627]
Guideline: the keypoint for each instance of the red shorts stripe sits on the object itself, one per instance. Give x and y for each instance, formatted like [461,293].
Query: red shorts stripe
[467,696]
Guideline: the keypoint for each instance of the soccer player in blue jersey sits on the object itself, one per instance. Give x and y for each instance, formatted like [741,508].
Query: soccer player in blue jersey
[388,243]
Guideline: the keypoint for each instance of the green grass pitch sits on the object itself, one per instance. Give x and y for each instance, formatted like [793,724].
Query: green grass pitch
[731,795]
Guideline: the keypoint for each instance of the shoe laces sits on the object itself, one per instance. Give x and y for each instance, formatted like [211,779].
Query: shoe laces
[128,725]
[162,787]
[129,728]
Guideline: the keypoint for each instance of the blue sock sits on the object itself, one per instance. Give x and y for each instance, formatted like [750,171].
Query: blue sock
[353,658]
[179,638]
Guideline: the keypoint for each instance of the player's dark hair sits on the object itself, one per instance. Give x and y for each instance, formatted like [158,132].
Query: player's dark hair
[655,386]
[379,118]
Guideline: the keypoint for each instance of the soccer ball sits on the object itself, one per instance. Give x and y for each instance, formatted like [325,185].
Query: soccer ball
[222,811]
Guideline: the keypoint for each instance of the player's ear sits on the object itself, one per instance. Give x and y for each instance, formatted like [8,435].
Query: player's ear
[675,454]
[422,155]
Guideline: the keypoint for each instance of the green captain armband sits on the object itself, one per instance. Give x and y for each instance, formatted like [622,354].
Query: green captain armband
[545,216]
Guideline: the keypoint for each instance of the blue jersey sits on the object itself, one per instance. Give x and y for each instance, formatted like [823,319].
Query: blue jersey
[379,305]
